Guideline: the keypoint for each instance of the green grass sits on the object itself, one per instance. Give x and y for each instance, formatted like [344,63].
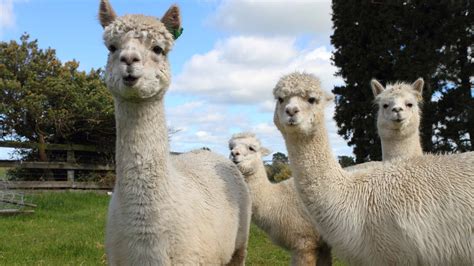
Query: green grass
[68,229]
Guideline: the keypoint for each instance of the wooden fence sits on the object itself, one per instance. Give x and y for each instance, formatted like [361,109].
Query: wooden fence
[70,166]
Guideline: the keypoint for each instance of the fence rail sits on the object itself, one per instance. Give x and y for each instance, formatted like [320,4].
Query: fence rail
[20,185]
[70,166]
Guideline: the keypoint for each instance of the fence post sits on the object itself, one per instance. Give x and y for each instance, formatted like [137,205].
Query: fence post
[70,173]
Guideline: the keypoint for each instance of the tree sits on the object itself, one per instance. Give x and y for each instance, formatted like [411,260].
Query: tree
[346,161]
[279,157]
[454,121]
[279,169]
[389,41]
[45,101]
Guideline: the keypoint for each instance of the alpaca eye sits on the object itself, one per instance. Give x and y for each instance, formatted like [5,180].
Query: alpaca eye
[112,48]
[410,105]
[251,149]
[280,100]
[312,100]
[157,50]
[385,106]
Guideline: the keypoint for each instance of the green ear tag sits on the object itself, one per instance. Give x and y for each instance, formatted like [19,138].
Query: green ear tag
[177,32]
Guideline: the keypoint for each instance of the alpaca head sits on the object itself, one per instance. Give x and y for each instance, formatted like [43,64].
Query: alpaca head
[137,66]
[398,110]
[246,152]
[300,103]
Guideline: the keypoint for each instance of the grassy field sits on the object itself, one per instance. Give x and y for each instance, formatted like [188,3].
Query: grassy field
[68,229]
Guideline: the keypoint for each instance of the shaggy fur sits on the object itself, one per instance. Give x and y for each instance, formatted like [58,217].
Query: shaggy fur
[416,211]
[398,118]
[276,208]
[190,209]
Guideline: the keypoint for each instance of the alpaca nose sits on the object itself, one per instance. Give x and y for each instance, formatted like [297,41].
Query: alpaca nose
[397,109]
[292,110]
[129,57]
[235,153]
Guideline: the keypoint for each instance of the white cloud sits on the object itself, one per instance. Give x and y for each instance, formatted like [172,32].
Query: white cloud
[7,16]
[244,69]
[233,82]
[287,17]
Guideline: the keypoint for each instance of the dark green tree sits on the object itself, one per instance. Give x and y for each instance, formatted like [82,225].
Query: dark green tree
[279,157]
[394,40]
[45,101]
[454,121]
[346,161]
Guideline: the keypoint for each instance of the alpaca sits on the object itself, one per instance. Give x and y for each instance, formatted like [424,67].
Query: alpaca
[188,209]
[398,118]
[416,211]
[276,208]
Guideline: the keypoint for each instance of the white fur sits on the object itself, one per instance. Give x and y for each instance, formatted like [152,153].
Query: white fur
[276,208]
[416,211]
[191,209]
[398,118]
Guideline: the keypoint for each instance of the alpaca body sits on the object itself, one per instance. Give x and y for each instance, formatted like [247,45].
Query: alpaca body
[393,220]
[276,208]
[416,211]
[159,200]
[190,209]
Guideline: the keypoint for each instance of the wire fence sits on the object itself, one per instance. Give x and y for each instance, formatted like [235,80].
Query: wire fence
[14,202]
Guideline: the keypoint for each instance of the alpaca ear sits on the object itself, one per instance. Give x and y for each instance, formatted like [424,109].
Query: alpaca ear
[106,13]
[172,21]
[377,88]
[264,151]
[418,85]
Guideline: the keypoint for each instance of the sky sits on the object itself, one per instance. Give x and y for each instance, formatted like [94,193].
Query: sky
[224,65]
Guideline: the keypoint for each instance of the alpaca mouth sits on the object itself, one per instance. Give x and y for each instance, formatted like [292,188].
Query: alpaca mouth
[292,122]
[130,80]
[235,161]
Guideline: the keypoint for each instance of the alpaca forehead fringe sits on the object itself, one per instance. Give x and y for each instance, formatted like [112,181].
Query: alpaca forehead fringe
[300,84]
[398,89]
[150,27]
[245,135]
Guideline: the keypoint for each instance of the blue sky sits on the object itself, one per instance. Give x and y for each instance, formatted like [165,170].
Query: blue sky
[224,65]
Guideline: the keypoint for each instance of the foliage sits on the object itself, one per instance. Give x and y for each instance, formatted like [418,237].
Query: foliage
[402,41]
[279,169]
[279,157]
[45,101]
[346,161]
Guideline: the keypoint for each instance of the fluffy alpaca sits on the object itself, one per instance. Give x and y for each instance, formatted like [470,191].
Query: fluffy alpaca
[276,208]
[398,118]
[417,211]
[190,209]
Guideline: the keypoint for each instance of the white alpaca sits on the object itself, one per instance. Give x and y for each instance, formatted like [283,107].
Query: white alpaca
[417,211]
[191,209]
[276,208]
[398,118]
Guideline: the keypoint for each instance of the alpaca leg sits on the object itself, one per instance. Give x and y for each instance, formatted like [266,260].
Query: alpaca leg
[240,252]
[324,254]
[303,258]
[238,258]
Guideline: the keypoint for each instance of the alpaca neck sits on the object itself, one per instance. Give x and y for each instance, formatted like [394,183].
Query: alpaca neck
[142,145]
[264,194]
[259,185]
[313,165]
[401,147]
